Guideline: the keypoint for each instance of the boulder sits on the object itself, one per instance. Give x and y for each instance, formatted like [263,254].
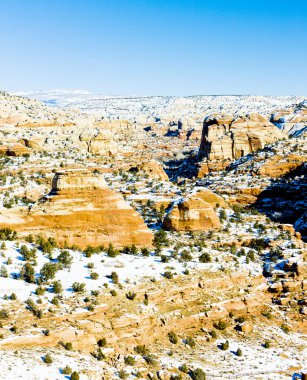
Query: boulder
[191,214]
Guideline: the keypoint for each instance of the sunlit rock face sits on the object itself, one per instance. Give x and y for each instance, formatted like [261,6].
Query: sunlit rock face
[191,214]
[82,210]
[227,138]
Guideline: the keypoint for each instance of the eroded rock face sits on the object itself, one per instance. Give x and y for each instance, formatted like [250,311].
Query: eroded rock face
[278,165]
[14,150]
[192,214]
[293,120]
[226,138]
[82,210]
[152,168]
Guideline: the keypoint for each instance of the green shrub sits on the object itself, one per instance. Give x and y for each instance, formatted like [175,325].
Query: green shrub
[94,276]
[78,287]
[168,274]
[57,287]
[205,258]
[225,345]
[173,338]
[4,314]
[65,259]
[130,295]
[48,359]
[122,374]
[239,352]
[141,349]
[75,376]
[66,370]
[48,271]
[114,277]
[186,256]
[160,238]
[190,341]
[40,291]
[3,271]
[102,342]
[198,374]
[184,368]
[55,301]
[111,251]
[220,325]
[27,273]
[7,234]
[129,360]
[68,346]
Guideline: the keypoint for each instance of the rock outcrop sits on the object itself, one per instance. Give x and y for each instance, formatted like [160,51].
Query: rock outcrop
[82,210]
[152,168]
[14,150]
[191,214]
[227,138]
[293,121]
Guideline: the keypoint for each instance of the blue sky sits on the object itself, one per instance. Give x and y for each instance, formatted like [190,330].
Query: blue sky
[155,47]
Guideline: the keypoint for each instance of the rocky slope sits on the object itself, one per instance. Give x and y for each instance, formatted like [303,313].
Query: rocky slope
[223,292]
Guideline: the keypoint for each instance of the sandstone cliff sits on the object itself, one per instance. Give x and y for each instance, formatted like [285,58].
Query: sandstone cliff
[229,138]
[82,210]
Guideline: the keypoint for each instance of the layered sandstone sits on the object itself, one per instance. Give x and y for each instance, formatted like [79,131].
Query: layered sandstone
[191,214]
[82,210]
[227,138]
[292,120]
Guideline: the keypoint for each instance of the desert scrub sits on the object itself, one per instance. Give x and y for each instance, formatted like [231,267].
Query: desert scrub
[225,345]
[122,374]
[169,275]
[220,325]
[102,342]
[48,271]
[173,338]
[48,359]
[74,376]
[131,296]
[78,287]
[4,314]
[66,370]
[129,360]
[94,276]
[141,349]
[190,342]
[198,374]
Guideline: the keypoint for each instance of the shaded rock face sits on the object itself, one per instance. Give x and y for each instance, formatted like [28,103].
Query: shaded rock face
[284,200]
[278,166]
[293,121]
[82,210]
[192,214]
[226,138]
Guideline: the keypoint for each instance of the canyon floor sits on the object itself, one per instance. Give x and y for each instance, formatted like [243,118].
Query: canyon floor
[153,238]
